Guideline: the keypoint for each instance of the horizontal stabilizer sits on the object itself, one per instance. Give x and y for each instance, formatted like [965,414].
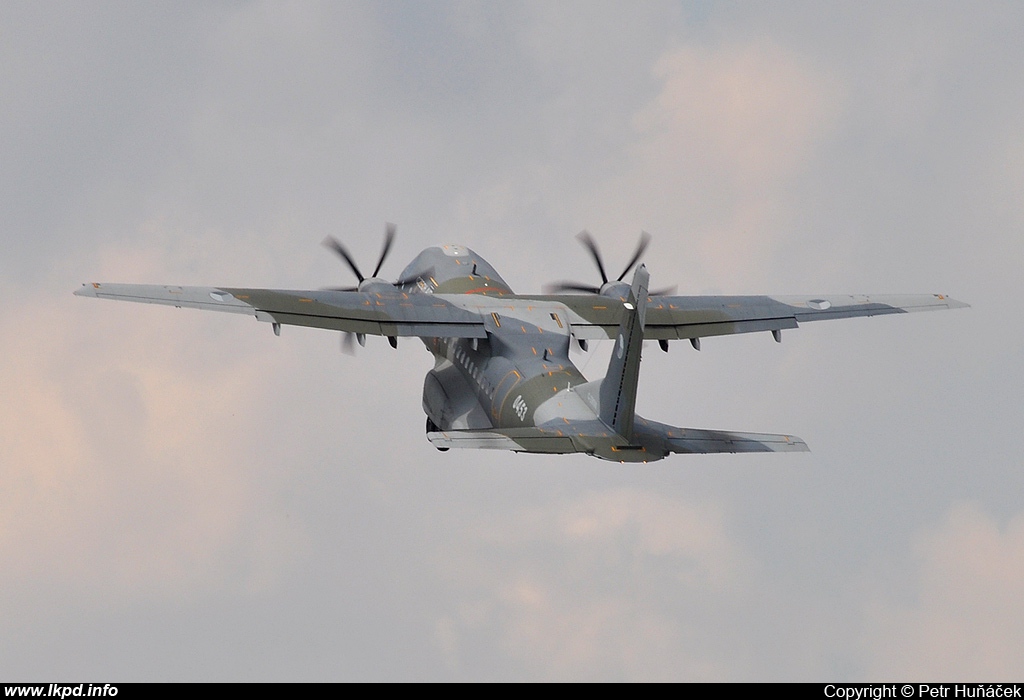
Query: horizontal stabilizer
[694,441]
[514,439]
[651,441]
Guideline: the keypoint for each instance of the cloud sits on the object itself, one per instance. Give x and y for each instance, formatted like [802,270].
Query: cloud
[716,151]
[119,439]
[753,111]
[967,622]
[608,584]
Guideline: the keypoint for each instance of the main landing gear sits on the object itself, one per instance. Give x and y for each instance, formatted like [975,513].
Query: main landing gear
[432,428]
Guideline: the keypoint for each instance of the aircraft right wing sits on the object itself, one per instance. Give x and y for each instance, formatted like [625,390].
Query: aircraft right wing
[693,317]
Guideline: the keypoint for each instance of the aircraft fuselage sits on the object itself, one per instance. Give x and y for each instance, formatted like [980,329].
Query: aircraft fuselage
[521,366]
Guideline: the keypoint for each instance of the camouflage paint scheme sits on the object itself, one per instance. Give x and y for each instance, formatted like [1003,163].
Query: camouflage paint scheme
[503,378]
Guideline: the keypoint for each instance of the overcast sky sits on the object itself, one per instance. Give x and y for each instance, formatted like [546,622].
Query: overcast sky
[184,496]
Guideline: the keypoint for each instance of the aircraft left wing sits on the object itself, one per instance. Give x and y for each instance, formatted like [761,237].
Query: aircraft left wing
[693,317]
[373,313]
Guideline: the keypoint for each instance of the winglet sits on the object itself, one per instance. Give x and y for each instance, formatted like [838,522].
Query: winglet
[618,389]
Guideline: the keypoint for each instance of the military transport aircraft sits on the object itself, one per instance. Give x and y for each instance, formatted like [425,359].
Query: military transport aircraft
[502,377]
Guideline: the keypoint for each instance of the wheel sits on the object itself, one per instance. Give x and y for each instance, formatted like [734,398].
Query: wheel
[432,428]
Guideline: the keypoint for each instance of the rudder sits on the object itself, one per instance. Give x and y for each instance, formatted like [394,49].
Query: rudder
[618,388]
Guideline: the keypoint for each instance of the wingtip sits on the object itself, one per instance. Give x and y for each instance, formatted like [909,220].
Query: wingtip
[87,290]
[794,444]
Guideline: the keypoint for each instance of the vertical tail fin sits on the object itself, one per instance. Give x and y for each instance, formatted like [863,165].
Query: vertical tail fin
[618,389]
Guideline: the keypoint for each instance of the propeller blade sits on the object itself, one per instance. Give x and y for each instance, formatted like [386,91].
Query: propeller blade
[645,240]
[556,287]
[340,289]
[332,243]
[586,240]
[348,343]
[389,238]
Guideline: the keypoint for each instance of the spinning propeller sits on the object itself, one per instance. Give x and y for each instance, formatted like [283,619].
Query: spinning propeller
[588,242]
[349,339]
[333,243]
